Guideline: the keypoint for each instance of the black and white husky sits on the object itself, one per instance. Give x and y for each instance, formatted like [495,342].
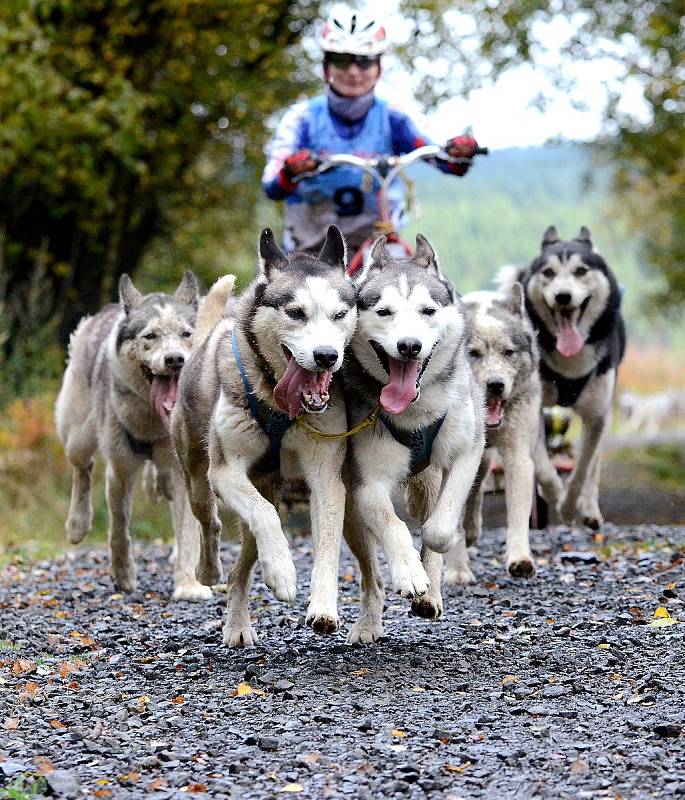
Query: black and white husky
[235,425]
[574,304]
[116,397]
[409,354]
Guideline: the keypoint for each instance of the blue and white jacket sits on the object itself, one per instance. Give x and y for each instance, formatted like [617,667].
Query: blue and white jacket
[337,196]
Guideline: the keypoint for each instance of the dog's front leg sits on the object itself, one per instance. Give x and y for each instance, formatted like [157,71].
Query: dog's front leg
[572,509]
[406,571]
[430,605]
[120,481]
[237,491]
[518,490]
[327,504]
[187,534]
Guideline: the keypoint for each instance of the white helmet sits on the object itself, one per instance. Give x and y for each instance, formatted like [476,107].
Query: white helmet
[350,31]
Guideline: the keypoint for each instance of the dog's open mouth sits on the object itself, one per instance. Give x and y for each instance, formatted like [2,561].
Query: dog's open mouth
[494,412]
[569,339]
[163,392]
[301,388]
[403,387]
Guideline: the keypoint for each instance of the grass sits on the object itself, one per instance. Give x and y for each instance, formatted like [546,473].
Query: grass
[24,787]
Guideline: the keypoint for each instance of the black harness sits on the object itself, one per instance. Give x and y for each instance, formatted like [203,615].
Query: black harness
[139,446]
[570,389]
[418,442]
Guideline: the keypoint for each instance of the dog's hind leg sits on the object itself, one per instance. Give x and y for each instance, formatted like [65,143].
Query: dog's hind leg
[120,482]
[327,507]
[208,569]
[473,510]
[551,485]
[457,566]
[361,541]
[187,537]
[231,482]
[238,631]
[80,446]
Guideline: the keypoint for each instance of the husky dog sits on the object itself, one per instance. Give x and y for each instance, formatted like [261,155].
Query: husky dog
[236,430]
[504,358]
[409,350]
[574,304]
[116,397]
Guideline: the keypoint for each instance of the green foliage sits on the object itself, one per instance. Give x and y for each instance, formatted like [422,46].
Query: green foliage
[24,787]
[125,121]
[643,41]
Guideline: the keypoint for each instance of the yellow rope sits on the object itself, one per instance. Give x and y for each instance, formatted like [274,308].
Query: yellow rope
[383,228]
[367,422]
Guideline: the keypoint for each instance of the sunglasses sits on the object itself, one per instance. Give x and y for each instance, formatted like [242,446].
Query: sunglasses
[345,60]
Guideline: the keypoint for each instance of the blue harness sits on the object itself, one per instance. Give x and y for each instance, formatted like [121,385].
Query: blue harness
[273,423]
[419,442]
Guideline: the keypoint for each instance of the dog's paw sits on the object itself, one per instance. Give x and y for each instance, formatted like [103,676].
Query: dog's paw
[459,576]
[324,624]
[240,635]
[78,526]
[192,591]
[437,536]
[594,521]
[471,535]
[280,576]
[408,576]
[427,607]
[208,571]
[365,631]
[125,577]
[520,566]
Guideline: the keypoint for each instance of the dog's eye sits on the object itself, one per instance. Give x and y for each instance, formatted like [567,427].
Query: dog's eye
[150,336]
[475,353]
[296,313]
[383,312]
[341,314]
[548,273]
[508,352]
[186,334]
[429,311]
[581,271]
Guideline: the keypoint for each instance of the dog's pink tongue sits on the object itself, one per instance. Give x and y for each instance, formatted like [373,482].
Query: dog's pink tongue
[569,340]
[399,393]
[288,390]
[163,396]
[493,410]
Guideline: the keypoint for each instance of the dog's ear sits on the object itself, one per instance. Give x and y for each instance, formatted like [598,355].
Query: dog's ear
[378,252]
[424,255]
[516,301]
[550,237]
[270,254]
[188,290]
[584,237]
[334,250]
[129,296]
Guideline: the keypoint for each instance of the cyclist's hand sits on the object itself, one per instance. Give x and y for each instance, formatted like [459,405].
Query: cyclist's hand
[461,147]
[297,163]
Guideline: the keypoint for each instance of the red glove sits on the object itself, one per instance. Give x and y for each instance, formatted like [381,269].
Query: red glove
[297,163]
[461,147]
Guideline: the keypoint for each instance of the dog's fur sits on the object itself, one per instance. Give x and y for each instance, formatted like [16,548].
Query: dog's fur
[503,351]
[574,304]
[303,303]
[411,333]
[115,398]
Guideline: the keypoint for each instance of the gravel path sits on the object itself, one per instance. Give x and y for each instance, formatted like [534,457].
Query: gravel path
[557,687]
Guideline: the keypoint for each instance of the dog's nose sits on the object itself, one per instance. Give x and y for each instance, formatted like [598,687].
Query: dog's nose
[409,348]
[325,357]
[174,360]
[495,386]
[563,298]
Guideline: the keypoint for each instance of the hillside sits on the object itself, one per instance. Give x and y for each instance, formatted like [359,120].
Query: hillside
[498,213]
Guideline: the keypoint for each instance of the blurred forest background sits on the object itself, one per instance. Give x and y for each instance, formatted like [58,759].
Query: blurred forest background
[131,140]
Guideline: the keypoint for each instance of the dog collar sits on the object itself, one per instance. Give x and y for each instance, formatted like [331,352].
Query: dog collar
[418,442]
[273,423]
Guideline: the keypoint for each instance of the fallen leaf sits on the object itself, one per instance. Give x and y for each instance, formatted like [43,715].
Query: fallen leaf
[293,788]
[507,680]
[242,690]
[397,733]
[179,700]
[43,765]
[661,613]
[603,646]
[102,792]
[362,671]
[662,619]
[457,767]
[22,666]
[194,788]
[129,777]
[579,767]
[312,758]
[55,723]
[157,783]
[11,724]
[67,667]
[418,689]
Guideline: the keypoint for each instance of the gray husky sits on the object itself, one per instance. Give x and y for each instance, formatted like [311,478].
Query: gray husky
[409,354]
[504,357]
[116,397]
[237,431]
[574,304]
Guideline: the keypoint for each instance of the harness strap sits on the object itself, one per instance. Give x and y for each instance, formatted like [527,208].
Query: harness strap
[570,389]
[418,442]
[139,446]
[273,423]
[368,421]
